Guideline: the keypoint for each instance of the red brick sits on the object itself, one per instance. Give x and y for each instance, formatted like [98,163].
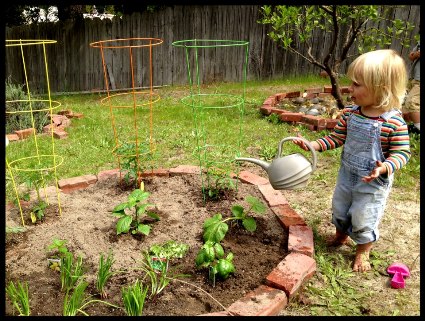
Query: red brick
[300,240]
[276,111]
[324,94]
[263,301]
[314,120]
[24,133]
[327,89]
[293,94]
[270,101]
[310,126]
[76,115]
[103,175]
[331,123]
[60,133]
[344,90]
[215,314]
[250,178]
[291,273]
[280,96]
[48,128]
[67,112]
[320,128]
[314,90]
[291,117]
[156,172]
[12,137]
[266,109]
[71,184]
[272,196]
[185,169]
[287,216]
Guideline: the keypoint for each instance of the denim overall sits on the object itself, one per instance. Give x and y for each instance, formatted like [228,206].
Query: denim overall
[357,207]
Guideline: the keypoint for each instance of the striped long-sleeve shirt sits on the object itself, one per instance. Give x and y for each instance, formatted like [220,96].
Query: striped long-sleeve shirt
[394,138]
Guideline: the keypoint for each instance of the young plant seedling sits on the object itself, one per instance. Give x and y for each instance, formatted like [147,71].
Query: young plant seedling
[58,246]
[215,228]
[129,222]
[130,165]
[218,182]
[162,253]
[134,297]
[70,272]
[104,273]
[76,301]
[19,297]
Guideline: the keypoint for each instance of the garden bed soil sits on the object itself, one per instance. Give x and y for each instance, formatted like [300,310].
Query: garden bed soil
[90,229]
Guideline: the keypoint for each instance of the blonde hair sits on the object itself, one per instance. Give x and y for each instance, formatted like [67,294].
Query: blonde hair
[384,74]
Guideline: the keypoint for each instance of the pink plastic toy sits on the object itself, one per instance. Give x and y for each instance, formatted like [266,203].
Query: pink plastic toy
[400,271]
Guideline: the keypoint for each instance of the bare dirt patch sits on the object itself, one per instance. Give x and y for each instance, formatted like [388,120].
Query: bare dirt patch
[90,229]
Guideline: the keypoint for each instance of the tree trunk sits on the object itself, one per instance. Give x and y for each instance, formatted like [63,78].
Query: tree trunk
[336,91]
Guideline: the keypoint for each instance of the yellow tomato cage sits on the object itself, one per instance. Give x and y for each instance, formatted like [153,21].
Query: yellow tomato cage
[46,162]
[137,97]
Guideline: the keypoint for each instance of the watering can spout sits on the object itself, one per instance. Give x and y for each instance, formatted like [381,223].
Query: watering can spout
[263,164]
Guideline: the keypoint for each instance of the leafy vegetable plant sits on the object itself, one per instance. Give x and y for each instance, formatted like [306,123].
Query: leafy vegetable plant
[19,297]
[59,247]
[129,222]
[162,253]
[215,228]
[218,182]
[211,256]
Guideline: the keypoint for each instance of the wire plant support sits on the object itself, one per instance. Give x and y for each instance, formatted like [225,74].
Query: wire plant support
[42,159]
[216,151]
[136,54]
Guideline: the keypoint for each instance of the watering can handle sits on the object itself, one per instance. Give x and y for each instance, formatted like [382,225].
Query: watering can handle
[308,145]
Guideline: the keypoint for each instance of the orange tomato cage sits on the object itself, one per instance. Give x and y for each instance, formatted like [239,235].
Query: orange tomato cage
[130,86]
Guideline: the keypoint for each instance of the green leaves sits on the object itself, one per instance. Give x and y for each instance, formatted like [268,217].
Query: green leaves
[126,221]
[215,229]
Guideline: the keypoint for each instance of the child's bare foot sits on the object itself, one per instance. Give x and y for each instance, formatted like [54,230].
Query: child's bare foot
[361,261]
[339,239]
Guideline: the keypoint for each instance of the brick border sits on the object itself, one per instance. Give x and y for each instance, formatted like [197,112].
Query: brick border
[270,298]
[314,123]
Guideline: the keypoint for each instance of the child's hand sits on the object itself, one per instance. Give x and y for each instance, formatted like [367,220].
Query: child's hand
[303,145]
[378,170]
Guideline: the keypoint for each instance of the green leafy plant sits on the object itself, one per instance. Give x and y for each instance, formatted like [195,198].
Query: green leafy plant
[18,295]
[134,297]
[268,152]
[129,222]
[15,229]
[59,249]
[211,256]
[70,271]
[131,160]
[75,302]
[161,253]
[159,276]
[219,182]
[17,106]
[104,273]
[215,228]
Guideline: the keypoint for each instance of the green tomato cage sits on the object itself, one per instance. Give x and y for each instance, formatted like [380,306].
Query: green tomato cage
[216,150]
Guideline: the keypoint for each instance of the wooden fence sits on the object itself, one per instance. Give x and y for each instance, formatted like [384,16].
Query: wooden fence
[74,66]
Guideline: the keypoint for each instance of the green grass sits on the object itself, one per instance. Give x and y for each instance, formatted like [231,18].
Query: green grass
[88,149]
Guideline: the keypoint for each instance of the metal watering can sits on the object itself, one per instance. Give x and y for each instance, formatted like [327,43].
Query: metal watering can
[288,172]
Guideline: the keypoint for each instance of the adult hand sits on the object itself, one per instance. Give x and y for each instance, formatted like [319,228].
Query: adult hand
[378,170]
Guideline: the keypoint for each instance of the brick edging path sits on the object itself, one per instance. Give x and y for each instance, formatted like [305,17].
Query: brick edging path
[270,298]
[313,123]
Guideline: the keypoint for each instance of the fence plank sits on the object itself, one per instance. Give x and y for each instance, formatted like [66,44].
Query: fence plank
[75,66]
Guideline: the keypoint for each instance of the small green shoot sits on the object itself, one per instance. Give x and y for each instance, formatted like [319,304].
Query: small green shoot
[77,301]
[104,273]
[134,297]
[70,272]
[129,222]
[19,297]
